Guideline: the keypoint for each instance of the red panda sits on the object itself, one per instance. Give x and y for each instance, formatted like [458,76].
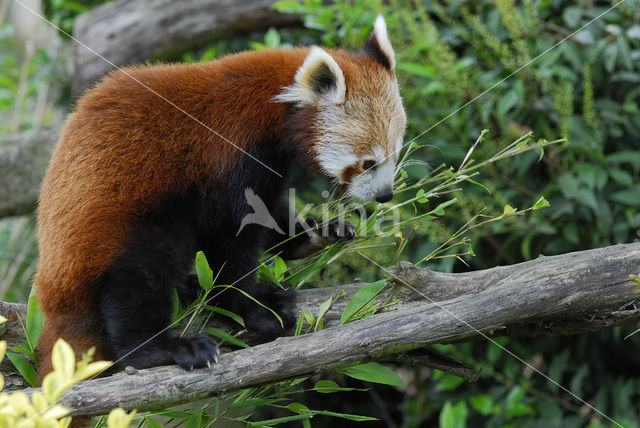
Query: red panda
[153,165]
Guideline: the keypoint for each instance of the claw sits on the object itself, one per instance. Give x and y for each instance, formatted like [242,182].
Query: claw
[191,368]
[215,358]
[208,364]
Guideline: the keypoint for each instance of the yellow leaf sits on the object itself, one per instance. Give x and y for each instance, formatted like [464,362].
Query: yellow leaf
[2,319]
[3,349]
[88,370]
[56,411]
[118,418]
[19,401]
[26,423]
[39,401]
[63,359]
[508,209]
[53,386]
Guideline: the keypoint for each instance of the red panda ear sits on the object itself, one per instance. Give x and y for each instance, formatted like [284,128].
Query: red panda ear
[378,47]
[319,78]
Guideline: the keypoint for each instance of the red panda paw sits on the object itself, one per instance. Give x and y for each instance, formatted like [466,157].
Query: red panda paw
[196,352]
[263,321]
[337,230]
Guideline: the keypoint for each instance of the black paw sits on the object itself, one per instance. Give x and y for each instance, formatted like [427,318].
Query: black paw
[195,352]
[337,230]
[261,320]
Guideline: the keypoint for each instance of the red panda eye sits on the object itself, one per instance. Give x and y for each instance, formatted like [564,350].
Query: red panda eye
[368,165]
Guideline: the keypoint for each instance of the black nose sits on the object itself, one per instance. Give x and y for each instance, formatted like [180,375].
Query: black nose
[384,196]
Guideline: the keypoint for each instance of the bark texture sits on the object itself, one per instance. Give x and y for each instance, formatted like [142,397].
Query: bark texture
[565,294]
[127,32]
[23,161]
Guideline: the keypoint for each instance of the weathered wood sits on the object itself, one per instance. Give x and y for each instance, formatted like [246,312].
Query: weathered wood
[540,295]
[127,32]
[23,161]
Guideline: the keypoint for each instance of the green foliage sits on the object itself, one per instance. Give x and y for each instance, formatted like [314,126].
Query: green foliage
[586,89]
[62,13]
[31,78]
[373,372]
[18,257]
[32,326]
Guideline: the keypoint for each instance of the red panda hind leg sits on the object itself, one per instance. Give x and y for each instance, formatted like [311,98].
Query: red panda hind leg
[135,298]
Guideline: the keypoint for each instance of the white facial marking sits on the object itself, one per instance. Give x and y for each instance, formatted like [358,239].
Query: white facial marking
[335,159]
[368,186]
[302,92]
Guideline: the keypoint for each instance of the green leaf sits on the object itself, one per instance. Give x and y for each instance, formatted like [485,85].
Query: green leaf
[223,335]
[269,422]
[272,38]
[453,416]
[237,318]
[588,198]
[329,386]
[253,402]
[249,296]
[204,272]
[541,203]
[280,267]
[419,70]
[373,372]
[627,197]
[152,423]
[362,298]
[195,420]
[326,386]
[348,416]
[514,406]
[508,209]
[507,102]
[448,382]
[484,404]
[324,307]
[421,198]
[24,368]
[625,156]
[299,408]
[35,320]
[439,210]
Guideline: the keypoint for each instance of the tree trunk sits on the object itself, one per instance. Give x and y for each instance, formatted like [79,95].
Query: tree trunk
[127,32]
[23,161]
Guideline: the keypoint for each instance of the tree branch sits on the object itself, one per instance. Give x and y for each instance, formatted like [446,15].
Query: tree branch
[570,293]
[23,161]
[126,32]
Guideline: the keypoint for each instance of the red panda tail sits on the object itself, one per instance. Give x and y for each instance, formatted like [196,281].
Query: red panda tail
[80,333]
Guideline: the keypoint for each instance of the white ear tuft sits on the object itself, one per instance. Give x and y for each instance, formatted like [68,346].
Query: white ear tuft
[378,46]
[318,78]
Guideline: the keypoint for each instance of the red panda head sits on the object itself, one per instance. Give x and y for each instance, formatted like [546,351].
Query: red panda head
[358,120]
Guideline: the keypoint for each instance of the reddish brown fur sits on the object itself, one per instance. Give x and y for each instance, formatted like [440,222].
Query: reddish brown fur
[124,148]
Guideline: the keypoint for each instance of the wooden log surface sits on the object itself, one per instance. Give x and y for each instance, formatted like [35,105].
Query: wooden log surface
[23,161]
[126,32]
[570,293]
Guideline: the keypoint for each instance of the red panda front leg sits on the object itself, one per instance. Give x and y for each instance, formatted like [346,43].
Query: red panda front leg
[310,234]
[239,272]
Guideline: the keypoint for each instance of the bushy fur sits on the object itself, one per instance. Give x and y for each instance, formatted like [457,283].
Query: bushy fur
[135,187]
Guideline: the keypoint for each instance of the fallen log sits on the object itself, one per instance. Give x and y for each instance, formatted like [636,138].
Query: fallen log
[23,161]
[575,292]
[127,32]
